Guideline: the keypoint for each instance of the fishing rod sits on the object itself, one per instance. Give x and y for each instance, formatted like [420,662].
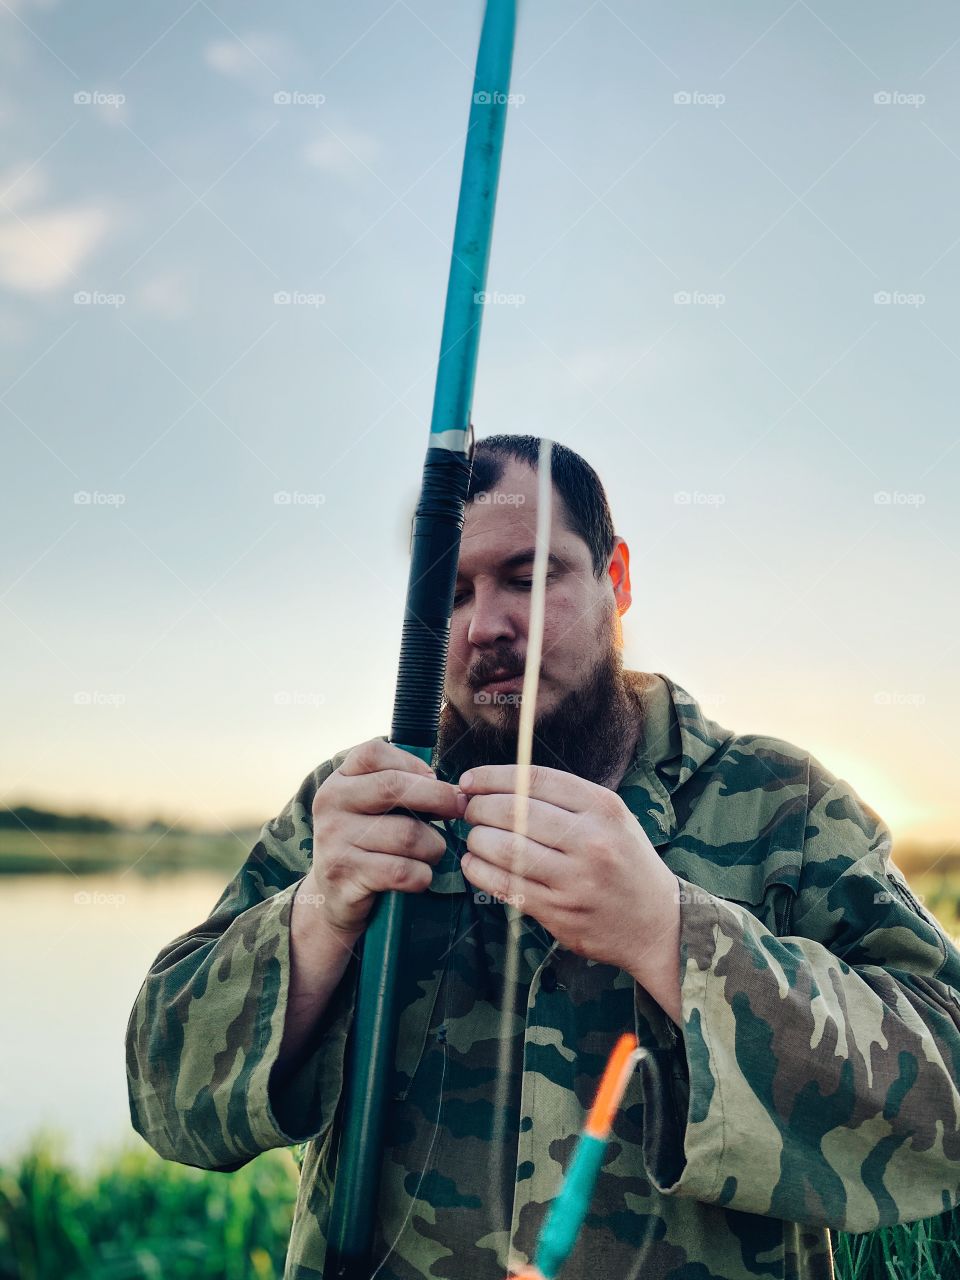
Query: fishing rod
[425,638]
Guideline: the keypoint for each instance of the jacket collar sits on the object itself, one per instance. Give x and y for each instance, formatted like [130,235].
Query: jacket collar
[676,740]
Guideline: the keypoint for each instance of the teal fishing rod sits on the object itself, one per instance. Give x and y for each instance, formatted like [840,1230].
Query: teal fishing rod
[425,639]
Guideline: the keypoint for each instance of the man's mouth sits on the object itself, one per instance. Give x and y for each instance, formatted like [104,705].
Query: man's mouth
[503,682]
[497,674]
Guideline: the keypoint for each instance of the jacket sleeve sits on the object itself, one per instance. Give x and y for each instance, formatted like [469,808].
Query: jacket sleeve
[822,1067]
[205,1030]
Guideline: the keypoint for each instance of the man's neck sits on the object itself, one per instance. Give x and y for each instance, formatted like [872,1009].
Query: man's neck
[613,780]
[636,684]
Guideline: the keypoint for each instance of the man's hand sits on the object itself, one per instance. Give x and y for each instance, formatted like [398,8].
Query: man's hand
[585,870]
[360,849]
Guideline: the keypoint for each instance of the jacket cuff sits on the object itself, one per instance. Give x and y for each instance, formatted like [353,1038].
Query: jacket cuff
[297,1104]
[684,1133]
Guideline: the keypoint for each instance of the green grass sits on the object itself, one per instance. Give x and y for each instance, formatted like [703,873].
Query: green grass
[138,1217]
[924,1250]
[940,893]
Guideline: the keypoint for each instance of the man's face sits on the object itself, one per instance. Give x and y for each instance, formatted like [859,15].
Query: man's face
[489,632]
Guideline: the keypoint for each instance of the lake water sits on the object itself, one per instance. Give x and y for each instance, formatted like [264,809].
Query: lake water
[71,969]
[74,952]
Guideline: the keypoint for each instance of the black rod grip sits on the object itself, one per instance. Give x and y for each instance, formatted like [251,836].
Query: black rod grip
[426,623]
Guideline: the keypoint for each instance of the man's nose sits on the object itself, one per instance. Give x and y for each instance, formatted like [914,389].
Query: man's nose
[490,619]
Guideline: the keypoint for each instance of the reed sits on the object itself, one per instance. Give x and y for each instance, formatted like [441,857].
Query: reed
[137,1217]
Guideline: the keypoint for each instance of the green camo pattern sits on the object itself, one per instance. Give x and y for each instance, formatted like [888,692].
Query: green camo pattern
[812,1084]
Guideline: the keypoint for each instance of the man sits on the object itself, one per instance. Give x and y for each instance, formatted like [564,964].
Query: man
[725,897]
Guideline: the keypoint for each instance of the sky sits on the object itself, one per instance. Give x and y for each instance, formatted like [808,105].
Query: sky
[725,268]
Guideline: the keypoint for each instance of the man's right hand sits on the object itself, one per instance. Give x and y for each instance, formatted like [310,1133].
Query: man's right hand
[360,848]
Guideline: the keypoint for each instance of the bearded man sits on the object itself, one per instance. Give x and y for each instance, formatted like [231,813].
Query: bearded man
[724,897]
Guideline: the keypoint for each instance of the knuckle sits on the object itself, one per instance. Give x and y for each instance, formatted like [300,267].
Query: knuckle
[601,805]
[475,840]
[329,830]
[334,869]
[595,845]
[615,808]
[409,835]
[538,777]
[323,843]
[386,783]
[597,851]
[321,797]
[363,757]
[438,845]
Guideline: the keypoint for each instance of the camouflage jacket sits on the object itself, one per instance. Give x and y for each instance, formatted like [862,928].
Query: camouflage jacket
[812,1084]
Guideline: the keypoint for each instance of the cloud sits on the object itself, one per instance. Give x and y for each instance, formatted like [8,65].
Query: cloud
[43,250]
[20,185]
[247,58]
[343,152]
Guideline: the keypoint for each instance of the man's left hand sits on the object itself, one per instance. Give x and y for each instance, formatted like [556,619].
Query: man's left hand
[585,869]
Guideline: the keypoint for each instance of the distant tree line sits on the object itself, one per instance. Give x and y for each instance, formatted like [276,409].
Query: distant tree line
[24,815]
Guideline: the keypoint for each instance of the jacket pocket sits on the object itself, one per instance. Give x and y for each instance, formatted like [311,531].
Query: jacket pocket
[766,888]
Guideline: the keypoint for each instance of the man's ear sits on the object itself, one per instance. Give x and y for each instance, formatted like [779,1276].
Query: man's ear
[620,576]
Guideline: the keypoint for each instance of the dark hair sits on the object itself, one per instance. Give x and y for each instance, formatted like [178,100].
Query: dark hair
[584,498]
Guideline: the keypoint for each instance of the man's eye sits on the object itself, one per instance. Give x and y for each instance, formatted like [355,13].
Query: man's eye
[458,598]
[523,583]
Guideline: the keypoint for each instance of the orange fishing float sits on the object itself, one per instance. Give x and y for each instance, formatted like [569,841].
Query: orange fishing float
[565,1218]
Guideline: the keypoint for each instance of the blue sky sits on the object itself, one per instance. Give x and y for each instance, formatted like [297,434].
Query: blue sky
[181,642]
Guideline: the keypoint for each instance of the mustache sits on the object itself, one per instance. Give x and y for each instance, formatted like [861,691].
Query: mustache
[586,734]
[505,664]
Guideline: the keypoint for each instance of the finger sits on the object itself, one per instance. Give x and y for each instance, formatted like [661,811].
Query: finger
[407,837]
[555,786]
[372,756]
[546,824]
[524,894]
[381,872]
[518,856]
[391,789]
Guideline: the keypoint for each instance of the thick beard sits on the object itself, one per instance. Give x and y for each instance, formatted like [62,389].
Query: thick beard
[587,734]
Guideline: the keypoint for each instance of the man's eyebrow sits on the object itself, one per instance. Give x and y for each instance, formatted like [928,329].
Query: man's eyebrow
[519,558]
[524,557]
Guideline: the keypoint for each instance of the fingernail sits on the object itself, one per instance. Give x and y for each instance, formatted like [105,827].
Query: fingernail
[462,802]
[466,778]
